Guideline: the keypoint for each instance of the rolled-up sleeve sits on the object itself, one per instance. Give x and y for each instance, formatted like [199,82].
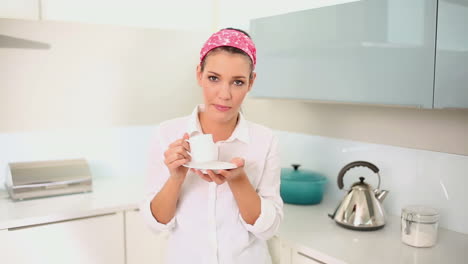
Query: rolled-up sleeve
[157,175]
[268,189]
[150,220]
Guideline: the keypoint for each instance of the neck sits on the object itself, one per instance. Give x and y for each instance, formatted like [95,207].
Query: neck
[219,130]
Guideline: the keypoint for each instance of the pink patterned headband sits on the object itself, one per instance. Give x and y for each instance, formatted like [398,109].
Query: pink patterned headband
[232,38]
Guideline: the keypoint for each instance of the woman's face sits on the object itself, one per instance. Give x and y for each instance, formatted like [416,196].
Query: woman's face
[225,82]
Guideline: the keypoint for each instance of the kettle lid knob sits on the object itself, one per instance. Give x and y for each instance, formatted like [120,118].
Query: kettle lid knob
[362,179]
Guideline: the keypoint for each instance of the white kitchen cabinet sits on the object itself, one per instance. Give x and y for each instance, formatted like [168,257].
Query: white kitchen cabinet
[185,15]
[365,52]
[143,245]
[238,15]
[283,253]
[19,9]
[92,240]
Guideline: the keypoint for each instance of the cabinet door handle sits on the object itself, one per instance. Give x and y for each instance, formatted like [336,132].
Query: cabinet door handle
[57,222]
[311,258]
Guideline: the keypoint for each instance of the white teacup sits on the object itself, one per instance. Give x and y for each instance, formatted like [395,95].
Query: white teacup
[203,148]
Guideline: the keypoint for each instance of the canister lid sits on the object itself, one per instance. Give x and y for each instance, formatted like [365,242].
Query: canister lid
[420,214]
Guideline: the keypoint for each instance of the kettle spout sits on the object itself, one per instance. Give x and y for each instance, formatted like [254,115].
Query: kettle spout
[380,194]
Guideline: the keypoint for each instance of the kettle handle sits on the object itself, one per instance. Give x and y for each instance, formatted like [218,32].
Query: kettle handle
[356,164]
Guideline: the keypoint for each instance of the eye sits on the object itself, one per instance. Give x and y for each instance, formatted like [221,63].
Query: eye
[238,83]
[212,78]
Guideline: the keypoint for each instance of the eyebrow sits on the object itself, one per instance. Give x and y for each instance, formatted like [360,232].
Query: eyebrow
[234,77]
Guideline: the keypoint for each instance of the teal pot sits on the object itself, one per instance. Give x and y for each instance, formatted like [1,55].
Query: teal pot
[299,186]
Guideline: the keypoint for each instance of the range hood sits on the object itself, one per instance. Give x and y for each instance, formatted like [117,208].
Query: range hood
[19,43]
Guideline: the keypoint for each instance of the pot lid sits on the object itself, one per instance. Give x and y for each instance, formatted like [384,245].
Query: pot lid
[296,174]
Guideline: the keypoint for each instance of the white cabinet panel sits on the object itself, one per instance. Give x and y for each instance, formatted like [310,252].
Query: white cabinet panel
[286,252]
[143,245]
[189,15]
[21,9]
[274,246]
[451,70]
[93,240]
[279,251]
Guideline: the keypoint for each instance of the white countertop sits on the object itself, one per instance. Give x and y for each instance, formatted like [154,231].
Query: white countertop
[306,228]
[108,196]
[309,229]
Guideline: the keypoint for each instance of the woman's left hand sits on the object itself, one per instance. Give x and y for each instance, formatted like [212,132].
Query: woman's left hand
[224,175]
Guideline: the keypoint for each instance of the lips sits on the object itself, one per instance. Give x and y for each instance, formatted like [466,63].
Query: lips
[222,108]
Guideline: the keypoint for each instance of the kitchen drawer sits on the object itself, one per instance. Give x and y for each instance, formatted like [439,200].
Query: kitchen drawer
[301,258]
[91,240]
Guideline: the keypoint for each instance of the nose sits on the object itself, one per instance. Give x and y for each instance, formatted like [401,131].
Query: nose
[225,91]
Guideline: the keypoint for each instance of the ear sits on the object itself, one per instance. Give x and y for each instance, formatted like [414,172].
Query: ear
[252,80]
[199,74]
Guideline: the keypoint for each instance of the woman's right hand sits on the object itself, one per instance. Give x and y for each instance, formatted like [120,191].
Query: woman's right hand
[175,156]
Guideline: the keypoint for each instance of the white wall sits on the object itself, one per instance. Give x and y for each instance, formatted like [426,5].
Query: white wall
[442,130]
[96,75]
[23,9]
[110,151]
[186,15]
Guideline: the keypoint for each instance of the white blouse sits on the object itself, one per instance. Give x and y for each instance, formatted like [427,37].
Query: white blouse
[207,226]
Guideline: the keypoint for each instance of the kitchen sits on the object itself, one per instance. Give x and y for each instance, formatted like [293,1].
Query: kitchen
[93,79]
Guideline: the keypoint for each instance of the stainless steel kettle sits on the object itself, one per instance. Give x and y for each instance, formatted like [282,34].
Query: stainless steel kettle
[361,208]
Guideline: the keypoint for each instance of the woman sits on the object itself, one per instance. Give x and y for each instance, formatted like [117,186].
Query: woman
[226,217]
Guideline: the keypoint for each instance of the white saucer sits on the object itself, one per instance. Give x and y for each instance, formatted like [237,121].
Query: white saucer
[210,165]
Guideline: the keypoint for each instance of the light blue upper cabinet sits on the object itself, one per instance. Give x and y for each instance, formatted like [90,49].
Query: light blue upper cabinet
[370,51]
[451,70]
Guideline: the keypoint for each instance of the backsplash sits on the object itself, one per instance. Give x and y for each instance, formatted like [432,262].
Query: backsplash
[412,176]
